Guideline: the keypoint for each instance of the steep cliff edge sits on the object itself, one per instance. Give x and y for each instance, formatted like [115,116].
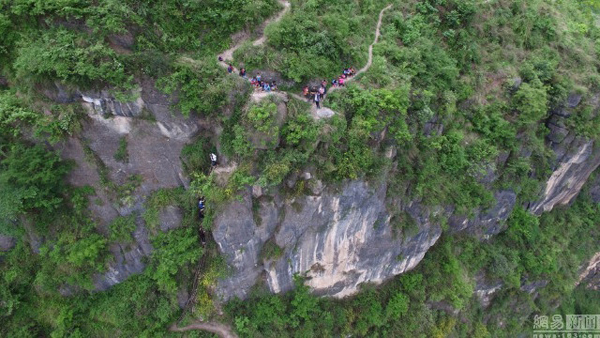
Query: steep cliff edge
[335,239]
[338,238]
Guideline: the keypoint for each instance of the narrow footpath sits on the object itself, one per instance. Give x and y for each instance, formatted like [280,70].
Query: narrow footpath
[317,113]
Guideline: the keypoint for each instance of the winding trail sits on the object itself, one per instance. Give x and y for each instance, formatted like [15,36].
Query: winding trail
[322,112]
[218,328]
[222,330]
[228,54]
[370,59]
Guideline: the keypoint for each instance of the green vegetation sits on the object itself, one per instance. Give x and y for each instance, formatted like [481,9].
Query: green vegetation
[317,39]
[121,228]
[121,154]
[271,251]
[457,104]
[422,302]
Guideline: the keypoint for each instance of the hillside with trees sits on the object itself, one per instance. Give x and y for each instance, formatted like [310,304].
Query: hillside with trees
[448,189]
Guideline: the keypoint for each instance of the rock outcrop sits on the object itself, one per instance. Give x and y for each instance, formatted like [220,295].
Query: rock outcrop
[335,237]
[153,148]
[7,243]
[128,260]
[484,224]
[590,276]
[576,157]
[337,240]
[575,163]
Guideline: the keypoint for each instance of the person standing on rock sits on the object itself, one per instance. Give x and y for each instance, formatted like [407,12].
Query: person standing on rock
[201,207]
[213,159]
[321,92]
[318,100]
[259,79]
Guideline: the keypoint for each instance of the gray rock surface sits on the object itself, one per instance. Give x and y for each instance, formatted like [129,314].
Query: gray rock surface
[7,243]
[337,240]
[590,274]
[577,158]
[170,218]
[105,103]
[485,290]
[484,224]
[128,260]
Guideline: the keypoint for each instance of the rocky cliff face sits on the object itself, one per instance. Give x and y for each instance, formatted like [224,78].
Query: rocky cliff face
[590,276]
[154,137]
[337,239]
[576,157]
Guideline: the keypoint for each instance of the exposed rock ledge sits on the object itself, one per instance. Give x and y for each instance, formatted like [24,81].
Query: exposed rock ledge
[337,240]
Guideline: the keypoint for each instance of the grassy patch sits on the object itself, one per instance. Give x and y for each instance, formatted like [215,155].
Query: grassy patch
[121,155]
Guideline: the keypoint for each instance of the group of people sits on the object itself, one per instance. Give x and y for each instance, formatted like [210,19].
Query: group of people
[259,84]
[341,80]
[318,94]
[256,81]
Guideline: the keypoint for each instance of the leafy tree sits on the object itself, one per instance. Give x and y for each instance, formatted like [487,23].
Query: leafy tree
[31,179]
[68,56]
[531,102]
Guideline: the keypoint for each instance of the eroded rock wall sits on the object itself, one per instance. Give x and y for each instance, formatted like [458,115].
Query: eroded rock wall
[337,239]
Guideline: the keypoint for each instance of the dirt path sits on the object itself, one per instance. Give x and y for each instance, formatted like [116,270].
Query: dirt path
[322,112]
[368,65]
[222,330]
[228,54]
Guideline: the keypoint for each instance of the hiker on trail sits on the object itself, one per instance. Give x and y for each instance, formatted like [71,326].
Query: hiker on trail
[258,79]
[321,92]
[202,236]
[324,83]
[201,207]
[334,83]
[220,59]
[341,81]
[230,68]
[346,71]
[213,159]
[243,72]
[317,100]
[352,71]
[305,91]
